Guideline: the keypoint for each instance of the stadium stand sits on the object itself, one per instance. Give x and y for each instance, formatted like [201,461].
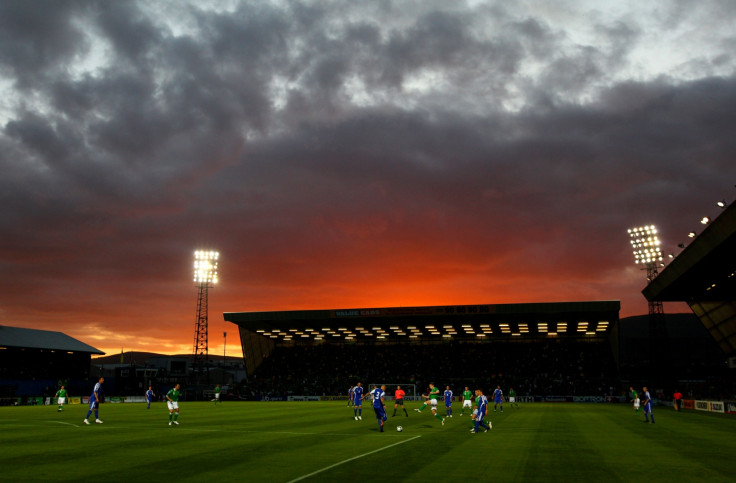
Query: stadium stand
[32,362]
[704,276]
[540,349]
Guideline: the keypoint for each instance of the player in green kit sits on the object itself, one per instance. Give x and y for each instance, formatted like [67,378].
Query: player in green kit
[467,400]
[217,394]
[61,395]
[512,398]
[172,400]
[634,399]
[434,394]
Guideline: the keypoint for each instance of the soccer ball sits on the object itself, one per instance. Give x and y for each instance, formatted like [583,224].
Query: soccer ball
[399,428]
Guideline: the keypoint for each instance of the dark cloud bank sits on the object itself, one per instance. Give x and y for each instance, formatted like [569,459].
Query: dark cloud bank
[337,156]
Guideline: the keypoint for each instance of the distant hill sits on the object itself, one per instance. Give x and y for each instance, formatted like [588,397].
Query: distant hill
[131,357]
[141,358]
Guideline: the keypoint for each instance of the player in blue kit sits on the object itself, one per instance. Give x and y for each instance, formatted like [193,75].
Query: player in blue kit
[358,401]
[379,406]
[448,402]
[498,398]
[480,412]
[94,402]
[149,397]
[647,403]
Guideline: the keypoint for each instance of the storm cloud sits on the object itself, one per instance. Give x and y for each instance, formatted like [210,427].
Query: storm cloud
[348,154]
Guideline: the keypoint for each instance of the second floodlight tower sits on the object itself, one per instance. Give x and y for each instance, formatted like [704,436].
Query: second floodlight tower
[648,252]
[205,277]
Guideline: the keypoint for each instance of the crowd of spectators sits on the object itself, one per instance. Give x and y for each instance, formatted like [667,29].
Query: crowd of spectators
[532,368]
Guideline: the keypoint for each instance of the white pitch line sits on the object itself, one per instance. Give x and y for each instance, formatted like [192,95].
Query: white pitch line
[301,433]
[351,459]
[63,422]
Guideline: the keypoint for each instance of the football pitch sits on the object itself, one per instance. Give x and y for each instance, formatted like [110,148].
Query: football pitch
[320,441]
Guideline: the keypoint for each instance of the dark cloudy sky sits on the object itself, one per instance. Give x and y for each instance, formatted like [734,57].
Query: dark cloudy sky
[345,154]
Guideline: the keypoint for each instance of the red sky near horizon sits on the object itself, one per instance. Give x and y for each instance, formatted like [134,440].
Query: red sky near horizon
[375,155]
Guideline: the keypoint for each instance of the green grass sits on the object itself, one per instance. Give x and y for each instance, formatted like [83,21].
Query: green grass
[280,441]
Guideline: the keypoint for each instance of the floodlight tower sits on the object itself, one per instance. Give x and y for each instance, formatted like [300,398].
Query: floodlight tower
[205,276]
[647,251]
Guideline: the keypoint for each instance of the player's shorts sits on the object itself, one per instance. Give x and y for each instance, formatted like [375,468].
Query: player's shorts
[448,404]
[358,402]
[636,403]
[399,402]
[480,415]
[172,405]
[433,403]
[62,400]
[380,413]
[512,399]
[497,401]
[467,403]
[92,404]
[217,395]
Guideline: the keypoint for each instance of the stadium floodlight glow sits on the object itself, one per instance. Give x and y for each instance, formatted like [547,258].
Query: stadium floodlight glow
[691,234]
[205,266]
[205,276]
[722,204]
[705,220]
[645,242]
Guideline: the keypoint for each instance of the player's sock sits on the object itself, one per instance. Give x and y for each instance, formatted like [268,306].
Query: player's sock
[176,416]
[171,416]
[422,407]
[476,425]
[394,413]
[89,413]
[438,417]
[360,412]
[407,414]
[355,412]
[96,414]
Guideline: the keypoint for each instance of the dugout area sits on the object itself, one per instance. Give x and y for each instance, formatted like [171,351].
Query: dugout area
[261,333]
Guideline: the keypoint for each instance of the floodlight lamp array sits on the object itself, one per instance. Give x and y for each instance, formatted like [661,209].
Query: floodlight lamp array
[436,332]
[205,266]
[646,244]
